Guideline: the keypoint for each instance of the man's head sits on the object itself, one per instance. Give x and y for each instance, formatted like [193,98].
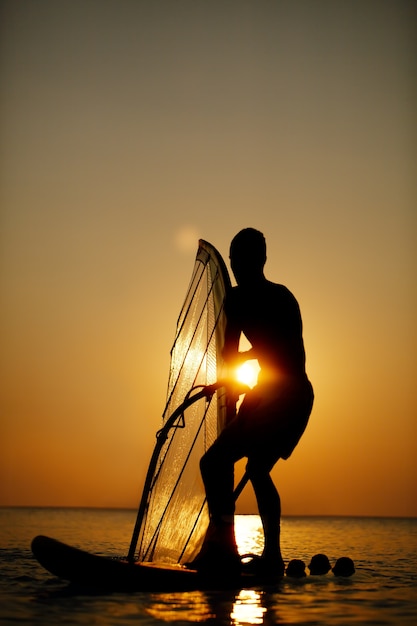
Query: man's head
[248,255]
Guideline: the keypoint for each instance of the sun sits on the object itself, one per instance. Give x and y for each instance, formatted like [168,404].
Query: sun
[248,373]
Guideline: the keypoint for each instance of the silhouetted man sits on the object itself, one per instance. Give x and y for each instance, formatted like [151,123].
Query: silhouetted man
[273,415]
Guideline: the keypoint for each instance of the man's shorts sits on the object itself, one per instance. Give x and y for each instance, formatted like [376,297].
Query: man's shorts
[270,422]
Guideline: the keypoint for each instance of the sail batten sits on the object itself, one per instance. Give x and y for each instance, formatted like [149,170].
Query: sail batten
[173,517]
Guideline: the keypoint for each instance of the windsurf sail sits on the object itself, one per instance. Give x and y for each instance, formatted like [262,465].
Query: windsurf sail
[173,517]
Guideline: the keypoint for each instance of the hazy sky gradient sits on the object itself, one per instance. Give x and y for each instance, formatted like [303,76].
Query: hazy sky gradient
[129,129]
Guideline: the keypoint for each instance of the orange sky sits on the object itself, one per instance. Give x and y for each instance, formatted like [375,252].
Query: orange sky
[129,130]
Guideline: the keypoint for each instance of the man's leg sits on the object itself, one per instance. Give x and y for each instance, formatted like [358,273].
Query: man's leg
[217,471]
[269,506]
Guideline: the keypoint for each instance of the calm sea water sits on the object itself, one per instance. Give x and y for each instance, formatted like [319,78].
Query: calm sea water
[382,591]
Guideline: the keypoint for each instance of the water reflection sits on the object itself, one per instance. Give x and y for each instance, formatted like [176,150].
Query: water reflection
[384,552]
[188,607]
[247,608]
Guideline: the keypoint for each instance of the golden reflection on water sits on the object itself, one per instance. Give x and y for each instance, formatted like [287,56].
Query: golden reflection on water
[247,608]
[237,608]
[190,606]
[248,605]
[244,607]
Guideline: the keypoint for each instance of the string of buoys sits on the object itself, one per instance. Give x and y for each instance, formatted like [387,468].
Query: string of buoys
[319,566]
